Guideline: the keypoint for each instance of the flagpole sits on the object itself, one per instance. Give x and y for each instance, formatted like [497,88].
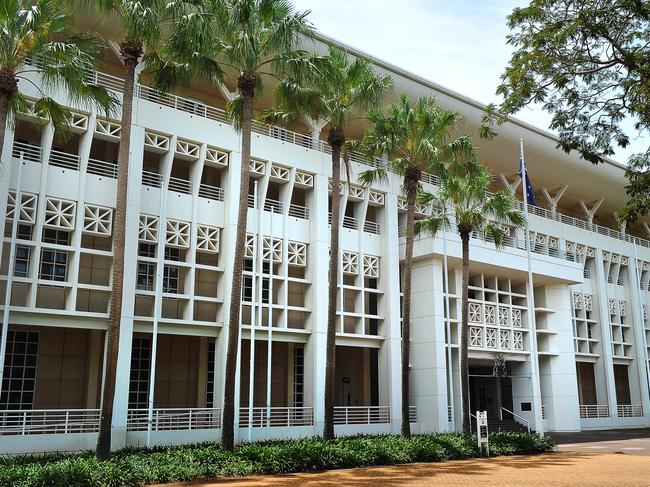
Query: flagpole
[539,423]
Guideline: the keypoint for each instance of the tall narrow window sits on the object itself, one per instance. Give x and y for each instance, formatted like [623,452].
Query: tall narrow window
[298,376]
[21,264]
[209,381]
[20,370]
[146,276]
[140,367]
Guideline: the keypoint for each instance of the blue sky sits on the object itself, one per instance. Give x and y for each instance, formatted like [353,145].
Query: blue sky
[460,44]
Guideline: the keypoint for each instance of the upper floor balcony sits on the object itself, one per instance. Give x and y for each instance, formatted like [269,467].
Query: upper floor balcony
[199,109]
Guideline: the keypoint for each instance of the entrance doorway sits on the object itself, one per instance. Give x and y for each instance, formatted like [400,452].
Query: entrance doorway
[489,393]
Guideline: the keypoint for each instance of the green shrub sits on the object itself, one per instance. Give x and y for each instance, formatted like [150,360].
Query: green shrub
[137,467]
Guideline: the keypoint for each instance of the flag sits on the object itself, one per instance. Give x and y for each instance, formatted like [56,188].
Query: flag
[523,173]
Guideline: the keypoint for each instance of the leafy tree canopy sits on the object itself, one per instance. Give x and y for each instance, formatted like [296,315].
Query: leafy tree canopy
[587,62]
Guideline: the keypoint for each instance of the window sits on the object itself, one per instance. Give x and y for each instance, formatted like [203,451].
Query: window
[53,264]
[298,376]
[172,253]
[58,237]
[146,276]
[170,279]
[24,232]
[146,250]
[209,381]
[20,370]
[139,378]
[247,288]
[21,263]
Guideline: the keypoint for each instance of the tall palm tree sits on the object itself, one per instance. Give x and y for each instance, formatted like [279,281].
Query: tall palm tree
[36,37]
[418,138]
[465,202]
[237,41]
[334,89]
[142,23]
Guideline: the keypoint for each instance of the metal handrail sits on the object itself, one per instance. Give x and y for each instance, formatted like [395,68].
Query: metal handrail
[361,415]
[102,168]
[211,192]
[299,211]
[180,185]
[276,416]
[168,419]
[48,421]
[64,160]
[501,409]
[593,411]
[150,178]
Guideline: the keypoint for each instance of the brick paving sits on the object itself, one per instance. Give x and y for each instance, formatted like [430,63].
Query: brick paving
[562,469]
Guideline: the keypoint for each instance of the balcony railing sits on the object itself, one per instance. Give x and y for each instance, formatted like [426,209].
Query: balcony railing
[174,419]
[371,227]
[64,160]
[273,206]
[105,80]
[361,414]
[49,421]
[102,168]
[594,411]
[276,417]
[280,133]
[348,222]
[198,108]
[31,152]
[180,185]
[150,178]
[299,211]
[629,411]
[211,192]
[183,104]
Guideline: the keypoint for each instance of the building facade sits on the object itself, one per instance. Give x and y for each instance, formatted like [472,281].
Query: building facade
[574,348]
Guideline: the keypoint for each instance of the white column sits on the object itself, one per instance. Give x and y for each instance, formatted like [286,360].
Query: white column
[390,361]
[558,373]
[318,258]
[428,358]
[640,345]
[134,194]
[232,183]
[606,335]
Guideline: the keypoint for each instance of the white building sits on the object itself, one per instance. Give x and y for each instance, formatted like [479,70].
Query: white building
[577,358]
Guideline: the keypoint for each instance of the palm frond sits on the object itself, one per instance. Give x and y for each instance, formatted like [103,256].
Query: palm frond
[373,176]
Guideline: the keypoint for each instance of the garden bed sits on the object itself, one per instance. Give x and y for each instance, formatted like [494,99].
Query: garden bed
[137,467]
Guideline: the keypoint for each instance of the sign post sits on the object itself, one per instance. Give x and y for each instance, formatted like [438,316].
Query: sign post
[482,431]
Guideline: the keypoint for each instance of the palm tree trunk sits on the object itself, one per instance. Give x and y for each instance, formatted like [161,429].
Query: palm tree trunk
[8,86]
[4,111]
[246,87]
[335,139]
[464,332]
[406,305]
[115,310]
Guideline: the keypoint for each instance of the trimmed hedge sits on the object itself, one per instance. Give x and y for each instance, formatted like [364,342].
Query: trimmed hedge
[137,467]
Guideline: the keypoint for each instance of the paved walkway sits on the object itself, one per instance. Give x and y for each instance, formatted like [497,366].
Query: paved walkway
[632,442]
[563,469]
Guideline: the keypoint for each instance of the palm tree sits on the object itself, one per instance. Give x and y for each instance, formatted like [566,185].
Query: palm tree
[418,139]
[245,39]
[142,23]
[36,38]
[334,89]
[466,202]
